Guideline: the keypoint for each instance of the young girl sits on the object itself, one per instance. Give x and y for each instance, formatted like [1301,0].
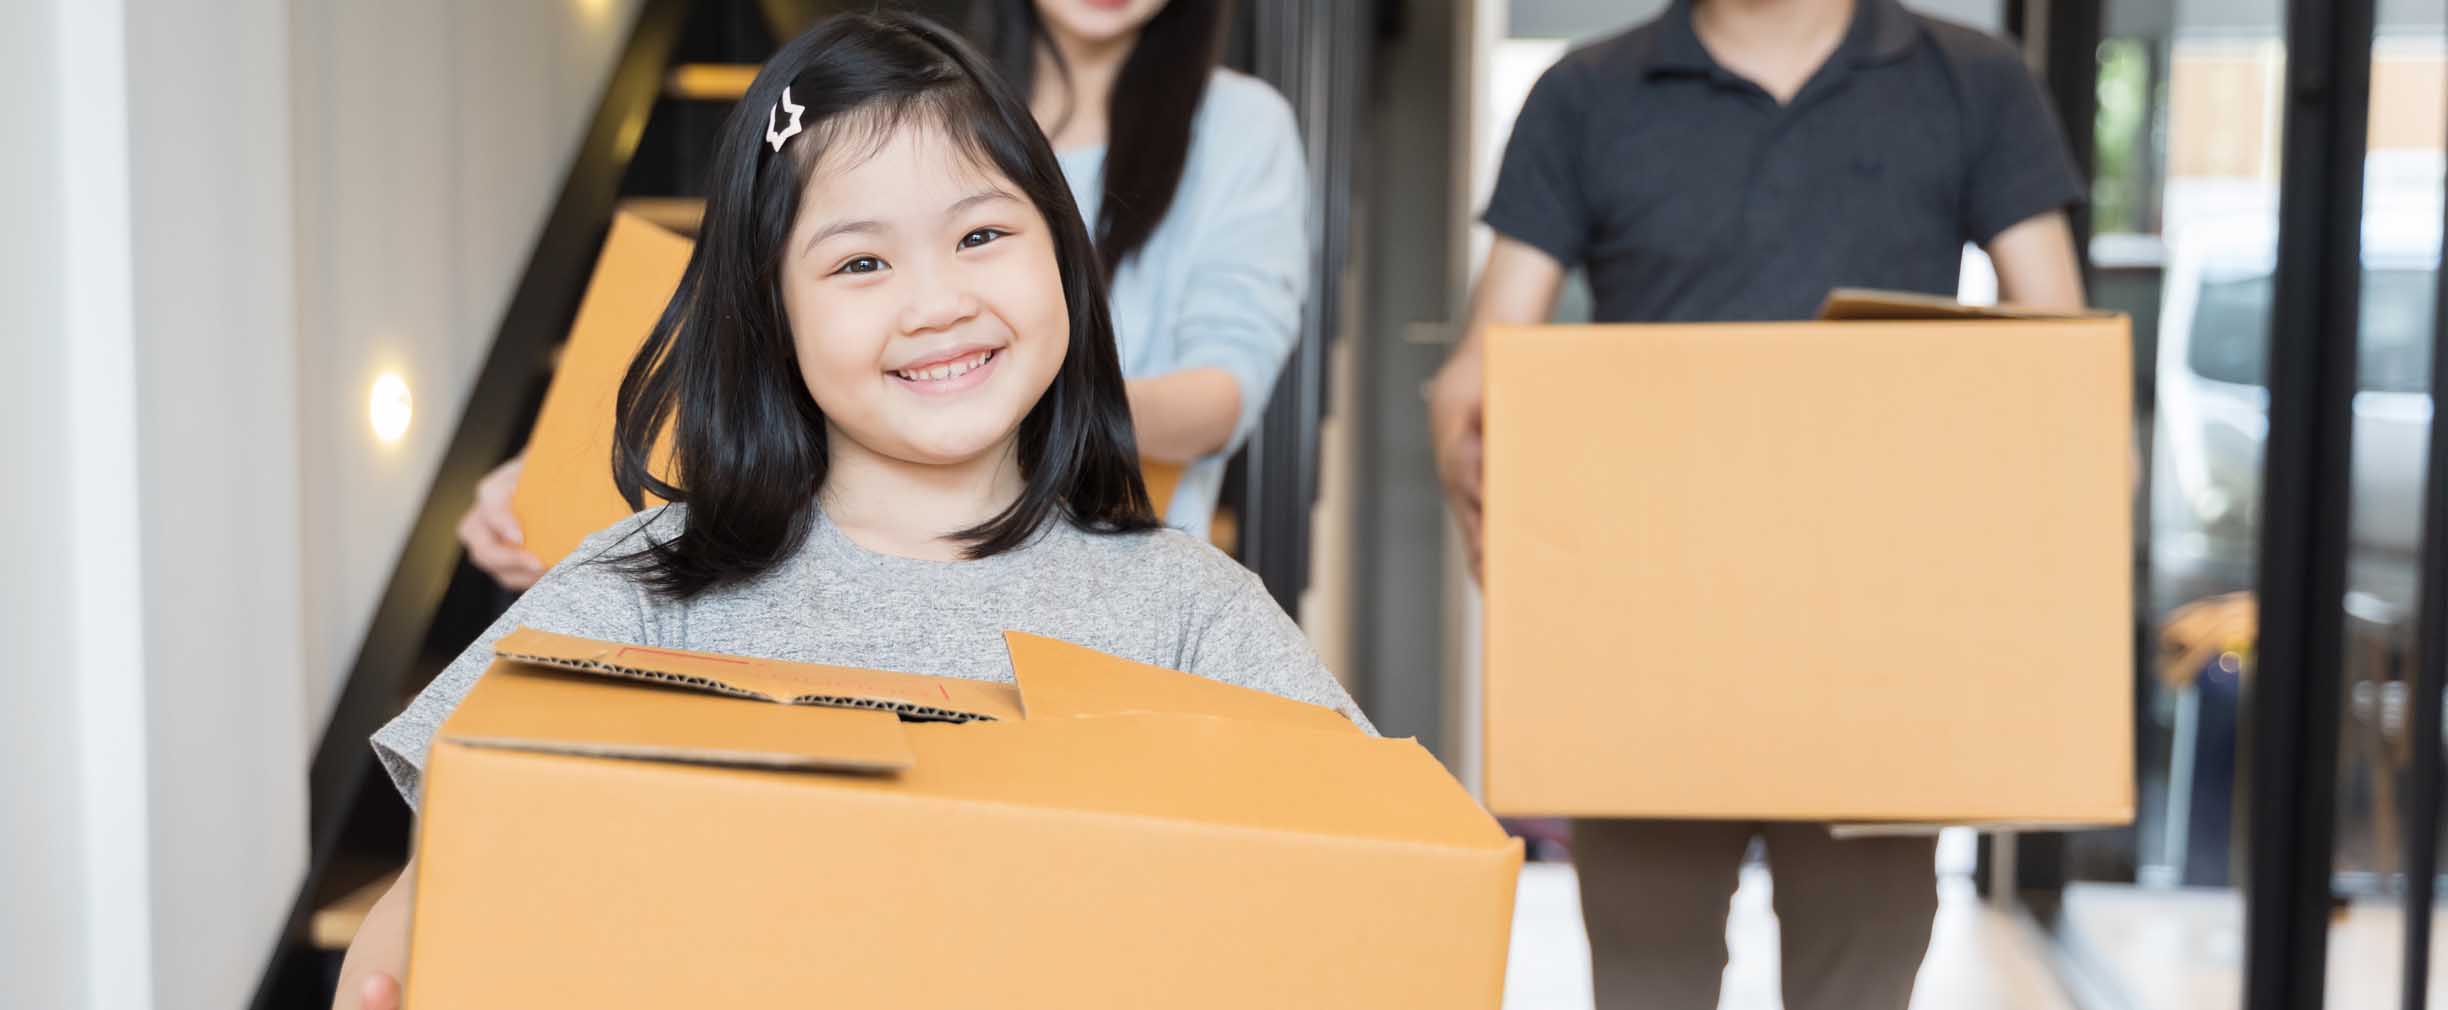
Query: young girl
[897,421]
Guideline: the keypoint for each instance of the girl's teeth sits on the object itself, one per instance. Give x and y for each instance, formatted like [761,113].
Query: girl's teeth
[947,370]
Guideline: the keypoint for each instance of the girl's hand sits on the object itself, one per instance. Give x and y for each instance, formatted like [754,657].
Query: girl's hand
[370,971]
[378,992]
[491,533]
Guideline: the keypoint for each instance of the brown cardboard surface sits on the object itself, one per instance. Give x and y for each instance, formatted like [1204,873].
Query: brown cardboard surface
[1059,679]
[1161,479]
[1869,571]
[565,489]
[1152,844]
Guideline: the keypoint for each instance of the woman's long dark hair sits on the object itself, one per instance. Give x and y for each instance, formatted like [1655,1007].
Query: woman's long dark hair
[1147,124]
[721,371]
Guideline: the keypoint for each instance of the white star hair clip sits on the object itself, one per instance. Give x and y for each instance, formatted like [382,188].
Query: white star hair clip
[773,115]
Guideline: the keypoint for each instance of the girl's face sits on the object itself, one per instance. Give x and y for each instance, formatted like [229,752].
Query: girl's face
[924,299]
[1096,22]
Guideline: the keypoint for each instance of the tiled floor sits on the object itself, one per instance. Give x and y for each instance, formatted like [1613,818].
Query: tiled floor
[2183,948]
[2136,948]
[1979,958]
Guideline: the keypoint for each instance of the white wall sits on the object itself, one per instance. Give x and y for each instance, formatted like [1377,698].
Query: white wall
[430,140]
[216,345]
[42,923]
[217,222]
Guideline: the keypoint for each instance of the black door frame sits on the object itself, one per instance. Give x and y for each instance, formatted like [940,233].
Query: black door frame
[2430,674]
[2301,579]
[2295,713]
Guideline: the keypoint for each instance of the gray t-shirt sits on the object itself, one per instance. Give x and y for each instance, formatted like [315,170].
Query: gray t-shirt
[1160,597]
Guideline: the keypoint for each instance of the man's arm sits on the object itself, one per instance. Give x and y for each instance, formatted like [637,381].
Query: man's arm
[1518,286]
[2036,266]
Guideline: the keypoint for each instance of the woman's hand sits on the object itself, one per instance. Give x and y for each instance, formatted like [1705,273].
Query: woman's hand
[491,533]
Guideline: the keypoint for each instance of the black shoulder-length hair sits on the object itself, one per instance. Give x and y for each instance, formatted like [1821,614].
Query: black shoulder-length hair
[1148,122]
[720,371]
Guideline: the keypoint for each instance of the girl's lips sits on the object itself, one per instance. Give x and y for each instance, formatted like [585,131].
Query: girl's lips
[968,380]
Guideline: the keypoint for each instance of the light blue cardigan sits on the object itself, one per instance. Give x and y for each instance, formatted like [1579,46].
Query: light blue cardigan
[1220,283]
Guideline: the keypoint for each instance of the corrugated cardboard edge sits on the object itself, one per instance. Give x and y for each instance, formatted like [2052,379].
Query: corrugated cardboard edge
[685,755]
[527,645]
[1872,304]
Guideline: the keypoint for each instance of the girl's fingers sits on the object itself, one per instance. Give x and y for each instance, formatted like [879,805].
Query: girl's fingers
[379,992]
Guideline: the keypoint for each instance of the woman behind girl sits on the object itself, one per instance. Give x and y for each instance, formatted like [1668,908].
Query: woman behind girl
[1193,183]
[897,418]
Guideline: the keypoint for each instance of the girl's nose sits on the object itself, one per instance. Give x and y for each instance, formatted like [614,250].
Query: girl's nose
[938,307]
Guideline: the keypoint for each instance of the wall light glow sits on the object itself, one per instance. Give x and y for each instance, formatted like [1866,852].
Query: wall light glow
[390,407]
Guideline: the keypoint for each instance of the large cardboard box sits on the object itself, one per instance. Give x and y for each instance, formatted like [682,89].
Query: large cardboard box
[612,826]
[1874,568]
[565,490]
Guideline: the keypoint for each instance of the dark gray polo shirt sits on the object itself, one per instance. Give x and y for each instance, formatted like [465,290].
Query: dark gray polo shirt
[1691,195]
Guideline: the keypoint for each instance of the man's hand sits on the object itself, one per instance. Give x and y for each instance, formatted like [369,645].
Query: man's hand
[1456,400]
[1518,286]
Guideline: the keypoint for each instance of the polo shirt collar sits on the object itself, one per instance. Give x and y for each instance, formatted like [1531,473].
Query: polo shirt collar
[1881,32]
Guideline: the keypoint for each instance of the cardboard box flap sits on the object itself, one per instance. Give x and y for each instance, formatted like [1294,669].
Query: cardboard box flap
[1873,304]
[1199,769]
[1059,680]
[912,696]
[516,706]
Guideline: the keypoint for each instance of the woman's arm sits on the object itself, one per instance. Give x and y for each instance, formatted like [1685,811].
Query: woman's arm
[370,972]
[1246,200]
[1184,415]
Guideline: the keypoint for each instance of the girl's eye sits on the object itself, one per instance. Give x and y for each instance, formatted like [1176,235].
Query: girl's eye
[981,237]
[860,265]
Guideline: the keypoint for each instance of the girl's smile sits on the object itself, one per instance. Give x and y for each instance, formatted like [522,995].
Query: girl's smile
[955,371]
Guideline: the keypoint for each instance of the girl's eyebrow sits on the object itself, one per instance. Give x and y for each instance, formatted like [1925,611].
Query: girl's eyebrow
[987,195]
[869,226]
[862,227]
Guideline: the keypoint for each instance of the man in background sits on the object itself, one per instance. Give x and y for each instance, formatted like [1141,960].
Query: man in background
[1735,160]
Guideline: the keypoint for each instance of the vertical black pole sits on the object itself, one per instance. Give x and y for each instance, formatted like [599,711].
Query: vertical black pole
[1316,55]
[2430,673]
[2302,570]
[2071,68]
